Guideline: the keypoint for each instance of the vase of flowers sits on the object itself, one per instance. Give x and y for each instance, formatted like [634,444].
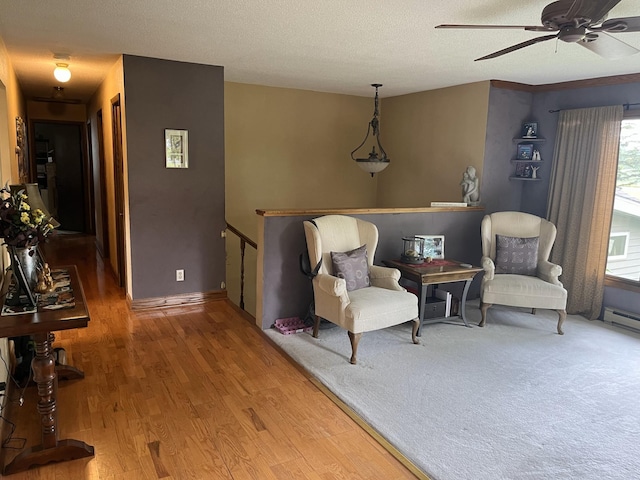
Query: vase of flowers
[22,228]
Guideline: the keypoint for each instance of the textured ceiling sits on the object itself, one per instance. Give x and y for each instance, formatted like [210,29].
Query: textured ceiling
[339,46]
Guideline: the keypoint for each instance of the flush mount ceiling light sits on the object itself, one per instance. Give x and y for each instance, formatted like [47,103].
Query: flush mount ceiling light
[376,161]
[62,72]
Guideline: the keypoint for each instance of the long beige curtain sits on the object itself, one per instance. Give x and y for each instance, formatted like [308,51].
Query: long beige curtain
[581,201]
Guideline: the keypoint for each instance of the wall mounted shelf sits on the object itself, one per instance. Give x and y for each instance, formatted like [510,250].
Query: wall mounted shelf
[525,179]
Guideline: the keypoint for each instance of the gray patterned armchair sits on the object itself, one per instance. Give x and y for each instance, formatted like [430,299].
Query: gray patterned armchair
[517,273]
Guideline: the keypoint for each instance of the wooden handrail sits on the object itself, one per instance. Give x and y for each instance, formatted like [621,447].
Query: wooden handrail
[243,242]
[242,236]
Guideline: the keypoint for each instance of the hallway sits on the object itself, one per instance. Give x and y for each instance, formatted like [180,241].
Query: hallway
[191,392]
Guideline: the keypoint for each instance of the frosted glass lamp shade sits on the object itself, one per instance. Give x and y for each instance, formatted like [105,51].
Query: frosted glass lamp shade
[62,72]
[372,166]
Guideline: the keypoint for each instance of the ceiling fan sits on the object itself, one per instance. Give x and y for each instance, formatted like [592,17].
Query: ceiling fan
[57,96]
[575,21]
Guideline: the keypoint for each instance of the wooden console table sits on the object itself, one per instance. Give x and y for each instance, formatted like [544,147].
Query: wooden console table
[46,373]
[426,274]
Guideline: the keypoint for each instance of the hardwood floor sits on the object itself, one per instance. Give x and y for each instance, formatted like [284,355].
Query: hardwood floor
[187,393]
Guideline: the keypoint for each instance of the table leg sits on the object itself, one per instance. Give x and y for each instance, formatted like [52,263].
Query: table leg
[52,449]
[422,291]
[463,302]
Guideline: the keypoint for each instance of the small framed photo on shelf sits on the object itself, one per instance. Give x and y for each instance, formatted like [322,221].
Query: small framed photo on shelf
[176,144]
[520,170]
[525,151]
[530,130]
[433,246]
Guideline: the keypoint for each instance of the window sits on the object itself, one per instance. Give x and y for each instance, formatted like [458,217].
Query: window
[623,260]
[618,243]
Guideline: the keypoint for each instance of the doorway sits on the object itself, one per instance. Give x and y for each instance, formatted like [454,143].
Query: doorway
[59,166]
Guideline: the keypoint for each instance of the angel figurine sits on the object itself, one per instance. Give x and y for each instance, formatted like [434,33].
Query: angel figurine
[534,172]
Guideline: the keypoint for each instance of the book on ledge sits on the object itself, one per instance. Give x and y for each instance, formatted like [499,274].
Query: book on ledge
[446,296]
[448,204]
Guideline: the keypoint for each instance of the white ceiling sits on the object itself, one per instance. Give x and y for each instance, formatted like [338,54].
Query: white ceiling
[339,46]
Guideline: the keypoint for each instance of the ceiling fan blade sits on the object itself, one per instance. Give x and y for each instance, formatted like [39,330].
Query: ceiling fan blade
[596,10]
[632,25]
[607,46]
[573,9]
[531,28]
[513,48]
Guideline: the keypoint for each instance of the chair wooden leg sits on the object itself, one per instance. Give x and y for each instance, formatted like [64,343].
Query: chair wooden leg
[414,333]
[483,308]
[562,314]
[533,311]
[354,338]
[316,326]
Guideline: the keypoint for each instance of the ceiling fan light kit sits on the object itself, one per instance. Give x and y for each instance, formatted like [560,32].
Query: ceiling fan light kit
[576,21]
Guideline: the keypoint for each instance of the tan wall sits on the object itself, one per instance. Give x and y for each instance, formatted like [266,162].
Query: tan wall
[290,148]
[431,137]
[14,106]
[112,85]
[11,105]
[287,148]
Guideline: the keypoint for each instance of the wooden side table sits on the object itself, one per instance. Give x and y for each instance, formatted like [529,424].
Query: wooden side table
[46,373]
[436,272]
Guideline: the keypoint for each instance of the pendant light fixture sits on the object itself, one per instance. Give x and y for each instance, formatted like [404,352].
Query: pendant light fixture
[377,160]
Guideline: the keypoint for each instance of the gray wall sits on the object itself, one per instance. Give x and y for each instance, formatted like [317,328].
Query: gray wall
[176,215]
[508,109]
[288,293]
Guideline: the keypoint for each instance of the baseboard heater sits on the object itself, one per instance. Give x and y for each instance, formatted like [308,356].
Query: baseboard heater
[616,316]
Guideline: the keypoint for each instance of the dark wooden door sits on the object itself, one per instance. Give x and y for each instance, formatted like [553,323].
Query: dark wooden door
[102,207]
[118,180]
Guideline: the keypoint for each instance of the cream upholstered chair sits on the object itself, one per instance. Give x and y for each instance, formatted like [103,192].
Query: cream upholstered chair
[515,253]
[353,301]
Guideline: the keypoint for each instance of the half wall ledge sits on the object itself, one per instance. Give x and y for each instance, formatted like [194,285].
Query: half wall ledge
[361,211]
[282,291]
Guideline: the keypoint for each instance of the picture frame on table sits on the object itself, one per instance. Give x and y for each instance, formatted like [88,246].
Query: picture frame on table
[433,246]
[176,148]
[525,151]
[530,130]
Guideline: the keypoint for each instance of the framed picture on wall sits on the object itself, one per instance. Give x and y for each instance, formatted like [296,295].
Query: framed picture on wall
[176,148]
[433,246]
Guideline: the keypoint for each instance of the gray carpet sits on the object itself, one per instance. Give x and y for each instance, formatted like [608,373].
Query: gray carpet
[513,400]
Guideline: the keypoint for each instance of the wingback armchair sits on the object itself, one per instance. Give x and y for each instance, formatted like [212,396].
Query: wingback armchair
[517,273]
[349,290]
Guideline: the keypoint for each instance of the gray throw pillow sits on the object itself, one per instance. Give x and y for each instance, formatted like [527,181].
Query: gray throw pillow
[353,266]
[516,255]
